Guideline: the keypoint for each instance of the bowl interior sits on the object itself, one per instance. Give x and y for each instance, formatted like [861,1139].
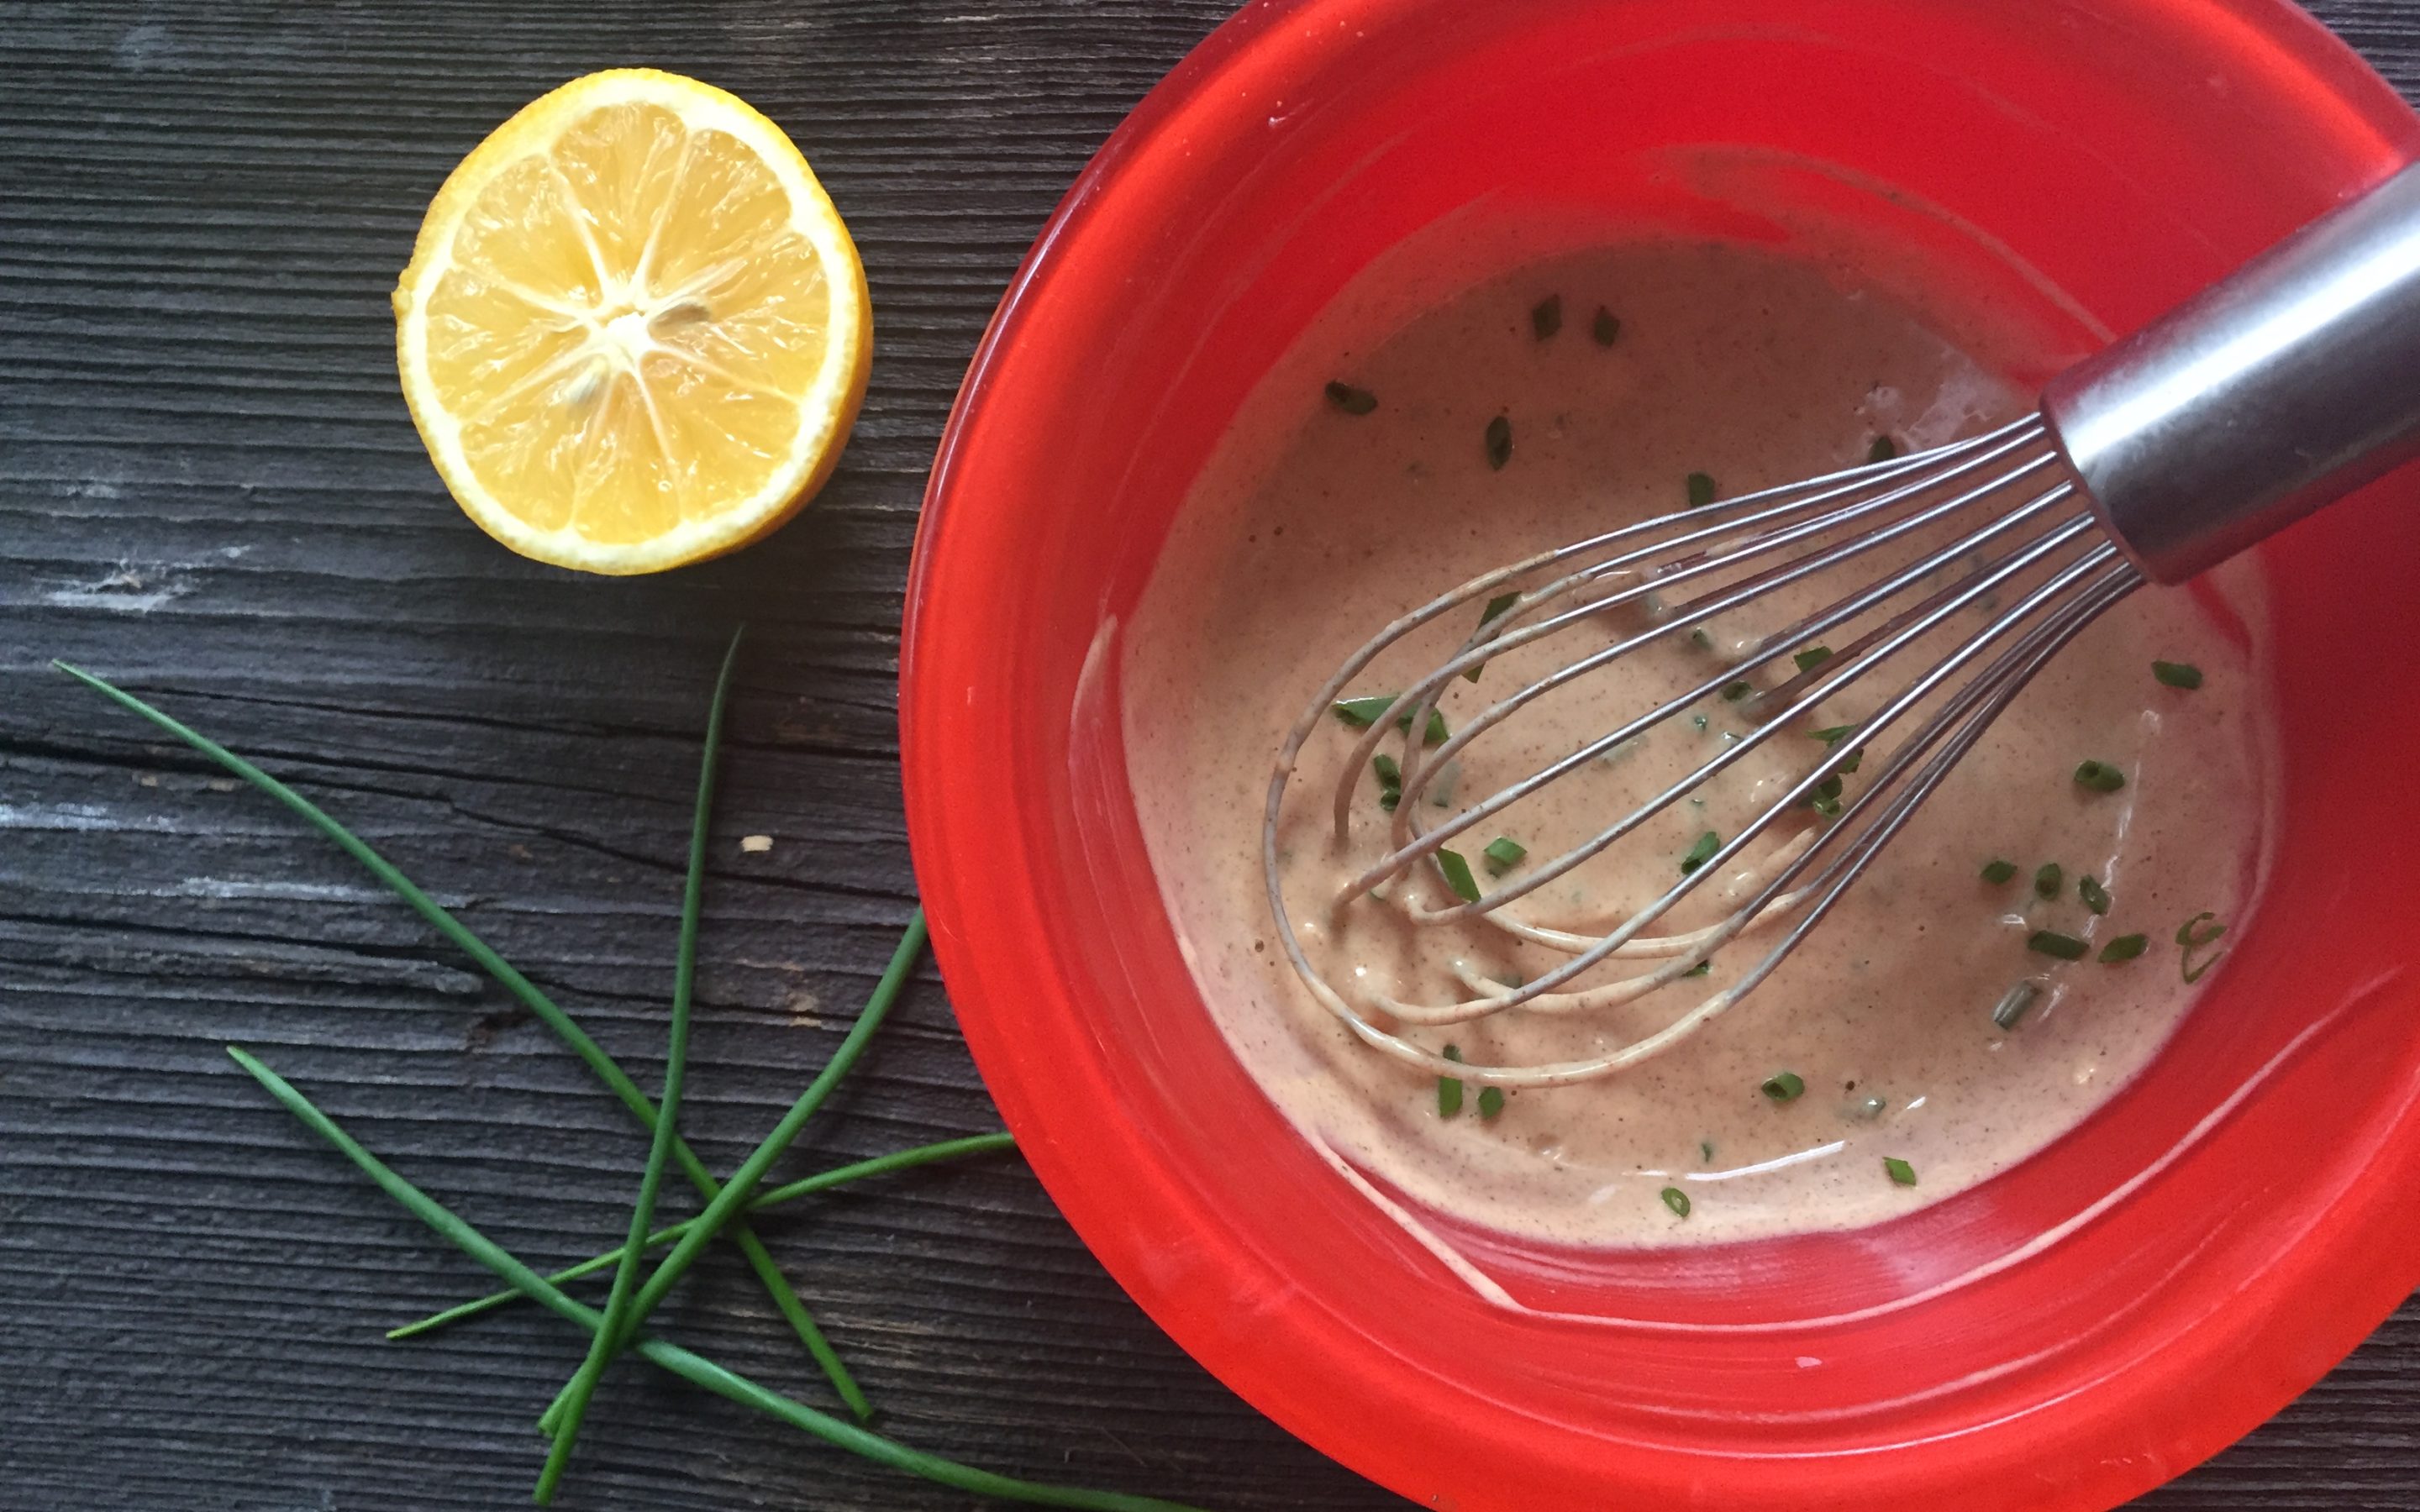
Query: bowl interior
[2067,1335]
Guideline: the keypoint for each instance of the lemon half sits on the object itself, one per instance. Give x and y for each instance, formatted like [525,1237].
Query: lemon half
[634,332]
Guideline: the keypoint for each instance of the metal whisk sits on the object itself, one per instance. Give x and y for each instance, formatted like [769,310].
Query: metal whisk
[2277,391]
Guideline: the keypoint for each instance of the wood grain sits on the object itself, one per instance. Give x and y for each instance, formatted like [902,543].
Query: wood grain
[209,490]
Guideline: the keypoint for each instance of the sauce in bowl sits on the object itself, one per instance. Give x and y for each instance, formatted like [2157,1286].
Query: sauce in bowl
[1563,399]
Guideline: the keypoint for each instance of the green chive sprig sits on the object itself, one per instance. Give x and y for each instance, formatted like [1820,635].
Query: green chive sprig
[591,1053]
[1677,1200]
[1449,1087]
[2048,879]
[671,1358]
[1500,442]
[1491,1101]
[1503,854]
[1699,487]
[1900,1170]
[898,1159]
[1607,328]
[1547,316]
[1883,450]
[1783,1087]
[2183,674]
[1700,853]
[1996,871]
[613,1330]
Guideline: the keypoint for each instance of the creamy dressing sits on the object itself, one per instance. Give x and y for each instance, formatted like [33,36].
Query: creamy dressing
[1314,525]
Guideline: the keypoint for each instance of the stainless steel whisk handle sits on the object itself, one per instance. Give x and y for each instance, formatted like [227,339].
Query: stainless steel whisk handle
[2289,384]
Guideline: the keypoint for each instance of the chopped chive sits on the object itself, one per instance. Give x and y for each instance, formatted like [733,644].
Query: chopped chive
[1812,657]
[1361,713]
[1883,449]
[1900,1171]
[1826,798]
[1500,442]
[1494,612]
[1736,691]
[1702,852]
[2052,943]
[1855,759]
[1449,1087]
[1677,1200]
[2014,1002]
[1491,1101]
[1705,1150]
[2099,777]
[1702,489]
[2048,879]
[1698,720]
[2193,938]
[2095,896]
[1351,400]
[2183,674]
[1503,854]
[1457,874]
[1391,781]
[1547,316]
[1833,735]
[1702,969]
[1784,1085]
[1607,328]
[1996,871]
[1699,638]
[2124,948]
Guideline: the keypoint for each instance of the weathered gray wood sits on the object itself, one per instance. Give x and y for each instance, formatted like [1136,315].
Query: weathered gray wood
[208,489]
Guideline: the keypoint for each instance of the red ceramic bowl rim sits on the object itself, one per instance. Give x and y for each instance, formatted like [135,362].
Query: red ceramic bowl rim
[2321,1298]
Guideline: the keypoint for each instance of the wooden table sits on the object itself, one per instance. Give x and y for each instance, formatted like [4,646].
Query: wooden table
[208,489]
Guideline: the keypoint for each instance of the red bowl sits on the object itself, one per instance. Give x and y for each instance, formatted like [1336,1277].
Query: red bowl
[2067,1336]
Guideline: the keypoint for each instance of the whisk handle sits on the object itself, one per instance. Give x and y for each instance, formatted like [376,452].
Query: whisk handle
[2284,387]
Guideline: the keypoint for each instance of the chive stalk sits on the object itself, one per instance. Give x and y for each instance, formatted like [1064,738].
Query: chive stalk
[564,1027]
[613,1331]
[695,1368]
